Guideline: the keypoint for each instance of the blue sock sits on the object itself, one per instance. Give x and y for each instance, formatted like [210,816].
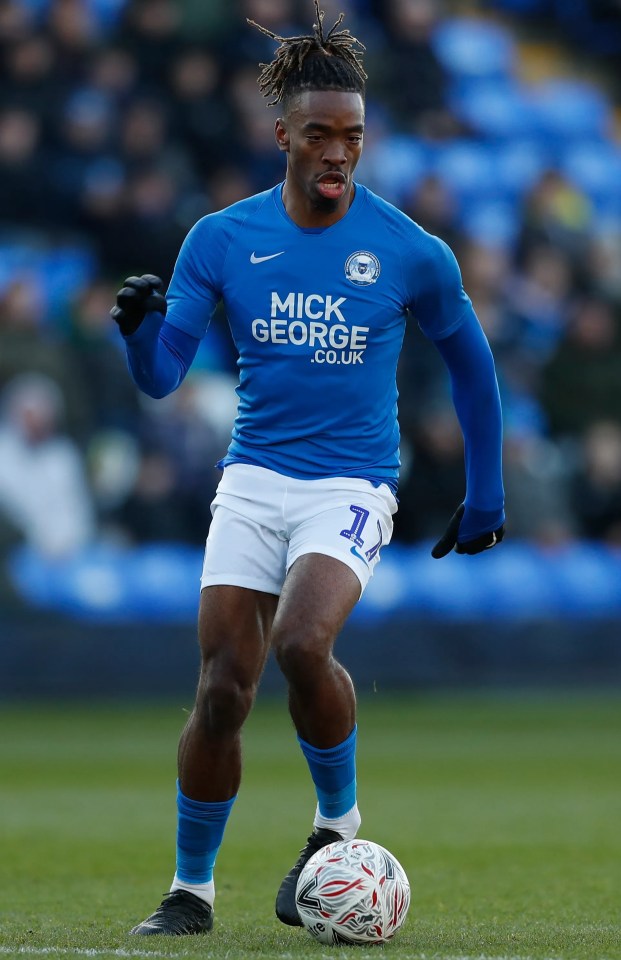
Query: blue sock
[200,828]
[334,775]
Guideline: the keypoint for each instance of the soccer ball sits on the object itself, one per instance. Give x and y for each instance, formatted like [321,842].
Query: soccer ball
[352,892]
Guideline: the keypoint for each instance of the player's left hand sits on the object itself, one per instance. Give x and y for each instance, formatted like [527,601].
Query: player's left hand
[448,541]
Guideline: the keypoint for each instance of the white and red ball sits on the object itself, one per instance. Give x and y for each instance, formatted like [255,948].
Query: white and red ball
[352,891]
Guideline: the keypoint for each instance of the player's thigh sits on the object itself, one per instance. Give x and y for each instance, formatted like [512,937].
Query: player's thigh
[243,571]
[318,595]
[234,629]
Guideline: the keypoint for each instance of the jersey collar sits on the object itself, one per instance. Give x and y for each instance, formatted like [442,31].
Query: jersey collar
[353,210]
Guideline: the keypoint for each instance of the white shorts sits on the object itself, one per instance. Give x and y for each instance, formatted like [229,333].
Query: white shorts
[263,521]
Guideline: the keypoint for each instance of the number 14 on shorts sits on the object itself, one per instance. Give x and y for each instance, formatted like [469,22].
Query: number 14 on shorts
[354,533]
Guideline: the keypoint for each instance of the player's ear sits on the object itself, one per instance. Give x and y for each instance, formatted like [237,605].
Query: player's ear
[282,135]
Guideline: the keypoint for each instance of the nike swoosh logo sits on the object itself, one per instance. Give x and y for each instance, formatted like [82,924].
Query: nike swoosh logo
[493,543]
[270,256]
[355,552]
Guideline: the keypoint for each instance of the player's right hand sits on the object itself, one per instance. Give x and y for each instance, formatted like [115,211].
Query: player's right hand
[137,297]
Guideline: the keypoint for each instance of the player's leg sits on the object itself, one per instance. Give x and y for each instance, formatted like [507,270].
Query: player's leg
[243,572]
[318,596]
[339,526]
[234,635]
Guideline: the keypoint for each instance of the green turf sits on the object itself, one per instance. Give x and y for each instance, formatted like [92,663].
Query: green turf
[506,814]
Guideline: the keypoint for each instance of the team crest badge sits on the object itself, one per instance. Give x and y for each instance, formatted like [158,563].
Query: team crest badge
[362,268]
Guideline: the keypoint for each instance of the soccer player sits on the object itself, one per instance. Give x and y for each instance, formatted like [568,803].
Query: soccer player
[318,276]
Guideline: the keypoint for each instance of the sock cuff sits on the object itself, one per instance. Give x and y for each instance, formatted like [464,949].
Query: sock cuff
[330,755]
[203,810]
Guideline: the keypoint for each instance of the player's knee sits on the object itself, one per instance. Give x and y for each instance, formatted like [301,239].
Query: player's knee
[223,702]
[301,654]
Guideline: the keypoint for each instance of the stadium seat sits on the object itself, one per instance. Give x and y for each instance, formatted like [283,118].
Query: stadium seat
[519,164]
[474,48]
[56,271]
[159,582]
[467,167]
[521,7]
[394,165]
[495,109]
[571,109]
[490,223]
[63,270]
[595,168]
[105,12]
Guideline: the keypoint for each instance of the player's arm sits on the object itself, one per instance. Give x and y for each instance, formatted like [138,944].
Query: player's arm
[445,315]
[158,353]
[478,523]
[162,334]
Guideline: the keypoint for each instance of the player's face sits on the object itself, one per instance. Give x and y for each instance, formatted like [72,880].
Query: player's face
[322,136]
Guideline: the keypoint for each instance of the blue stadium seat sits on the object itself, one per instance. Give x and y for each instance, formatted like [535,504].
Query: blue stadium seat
[521,7]
[64,270]
[495,109]
[474,48]
[394,165]
[467,167]
[519,164]
[160,582]
[571,109]
[595,168]
[58,271]
[493,223]
[105,12]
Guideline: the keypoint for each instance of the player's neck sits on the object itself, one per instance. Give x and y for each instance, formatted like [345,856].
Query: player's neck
[303,213]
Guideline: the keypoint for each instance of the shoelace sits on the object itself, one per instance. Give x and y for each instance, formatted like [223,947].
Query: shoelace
[313,844]
[178,909]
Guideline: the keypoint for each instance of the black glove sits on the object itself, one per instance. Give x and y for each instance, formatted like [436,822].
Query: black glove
[448,541]
[138,296]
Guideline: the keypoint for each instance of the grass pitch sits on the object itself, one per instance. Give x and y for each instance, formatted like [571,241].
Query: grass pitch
[506,814]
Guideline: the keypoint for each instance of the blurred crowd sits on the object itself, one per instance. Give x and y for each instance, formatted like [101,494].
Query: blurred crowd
[122,123]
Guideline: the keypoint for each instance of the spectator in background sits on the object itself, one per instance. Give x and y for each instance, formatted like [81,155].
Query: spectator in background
[16,23]
[538,477]
[24,193]
[74,32]
[581,383]
[110,400]
[436,474]
[419,99]
[154,509]
[29,79]
[150,30]
[85,136]
[249,46]
[114,72]
[597,484]
[44,494]
[557,215]
[254,131]
[148,229]
[27,345]
[603,262]
[433,207]
[539,297]
[201,119]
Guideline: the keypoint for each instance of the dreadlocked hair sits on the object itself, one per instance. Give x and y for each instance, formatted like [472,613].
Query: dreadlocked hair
[321,61]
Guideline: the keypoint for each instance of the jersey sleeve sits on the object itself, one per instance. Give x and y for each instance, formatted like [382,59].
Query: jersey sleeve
[434,290]
[195,288]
